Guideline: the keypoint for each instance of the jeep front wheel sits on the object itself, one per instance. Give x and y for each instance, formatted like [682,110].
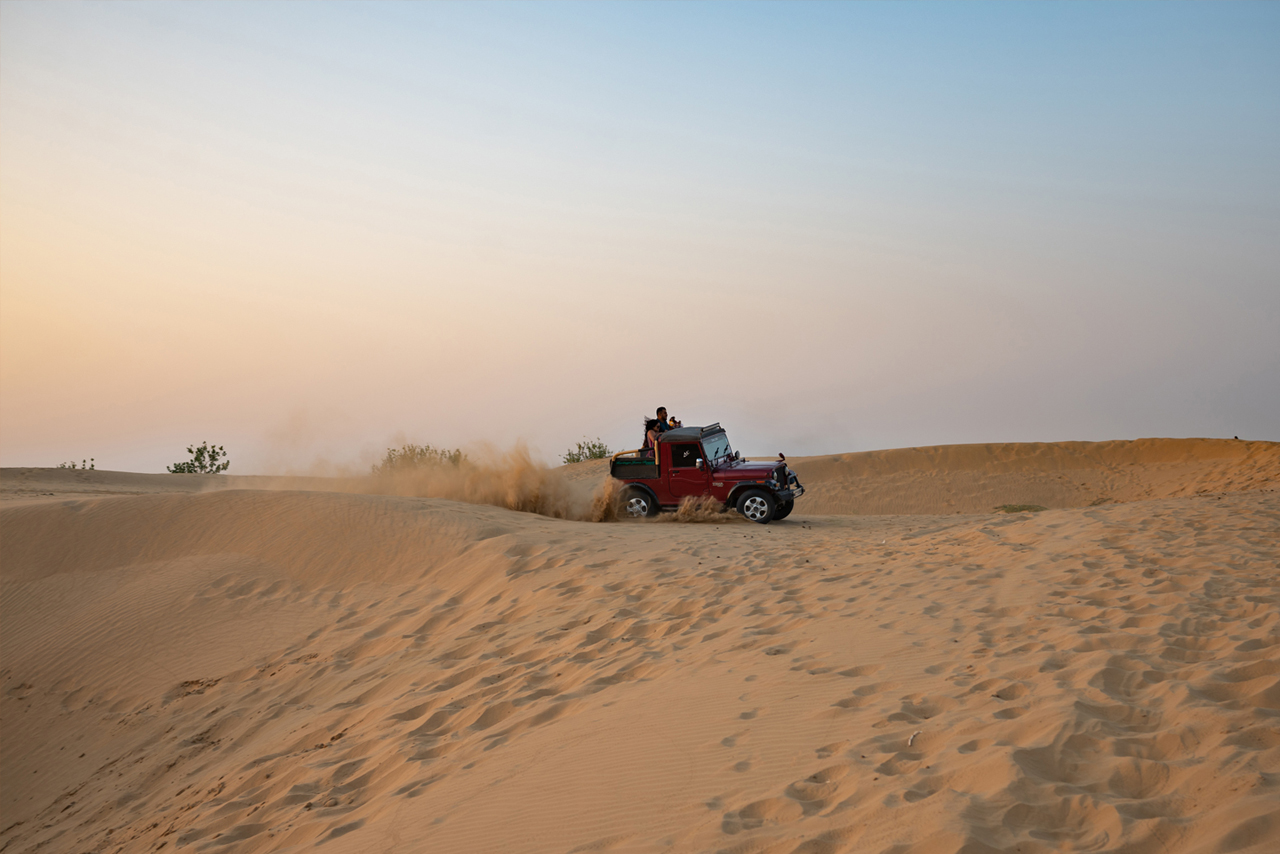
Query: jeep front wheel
[757,505]
[636,504]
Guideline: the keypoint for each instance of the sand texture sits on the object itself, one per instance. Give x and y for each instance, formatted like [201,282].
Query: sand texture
[978,478]
[272,666]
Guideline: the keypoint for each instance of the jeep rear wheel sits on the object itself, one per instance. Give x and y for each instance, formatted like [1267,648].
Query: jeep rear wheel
[757,505]
[784,509]
[636,504]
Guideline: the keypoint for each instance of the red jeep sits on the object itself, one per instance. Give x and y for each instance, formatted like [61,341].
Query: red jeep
[697,461]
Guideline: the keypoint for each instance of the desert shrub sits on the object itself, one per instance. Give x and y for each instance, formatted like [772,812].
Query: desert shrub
[414,456]
[1020,508]
[587,450]
[206,459]
[71,465]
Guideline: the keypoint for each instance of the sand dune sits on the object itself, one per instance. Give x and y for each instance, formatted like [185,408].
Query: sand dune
[248,670]
[19,485]
[934,480]
[978,478]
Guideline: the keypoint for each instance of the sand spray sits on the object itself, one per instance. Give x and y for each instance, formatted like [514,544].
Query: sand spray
[514,480]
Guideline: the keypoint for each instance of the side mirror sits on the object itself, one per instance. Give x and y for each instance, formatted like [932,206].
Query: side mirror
[701,463]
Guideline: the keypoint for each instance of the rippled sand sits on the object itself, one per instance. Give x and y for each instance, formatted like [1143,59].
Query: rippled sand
[264,669]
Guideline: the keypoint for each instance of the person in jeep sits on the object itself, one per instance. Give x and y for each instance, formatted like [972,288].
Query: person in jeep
[652,430]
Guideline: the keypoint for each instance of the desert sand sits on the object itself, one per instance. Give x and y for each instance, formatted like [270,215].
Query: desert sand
[254,664]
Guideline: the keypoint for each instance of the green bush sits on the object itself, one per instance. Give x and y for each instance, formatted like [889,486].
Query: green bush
[414,456]
[1020,508]
[586,450]
[206,459]
[83,465]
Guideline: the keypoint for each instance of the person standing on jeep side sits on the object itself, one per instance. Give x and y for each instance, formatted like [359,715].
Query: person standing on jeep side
[663,424]
[651,431]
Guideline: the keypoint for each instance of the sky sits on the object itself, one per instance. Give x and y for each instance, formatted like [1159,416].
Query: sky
[311,231]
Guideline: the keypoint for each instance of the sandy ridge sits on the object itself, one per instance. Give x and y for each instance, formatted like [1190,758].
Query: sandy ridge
[978,478]
[934,480]
[252,670]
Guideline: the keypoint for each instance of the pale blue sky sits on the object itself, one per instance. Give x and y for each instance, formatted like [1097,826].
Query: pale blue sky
[305,230]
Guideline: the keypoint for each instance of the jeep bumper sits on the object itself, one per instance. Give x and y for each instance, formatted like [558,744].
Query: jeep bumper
[792,490]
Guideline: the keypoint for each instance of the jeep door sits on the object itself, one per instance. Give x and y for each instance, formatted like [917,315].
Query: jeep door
[685,478]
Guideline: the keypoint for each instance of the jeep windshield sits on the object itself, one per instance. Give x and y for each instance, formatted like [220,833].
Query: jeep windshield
[716,447]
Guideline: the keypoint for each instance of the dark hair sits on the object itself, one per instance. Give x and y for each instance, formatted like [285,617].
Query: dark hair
[650,423]
[659,409]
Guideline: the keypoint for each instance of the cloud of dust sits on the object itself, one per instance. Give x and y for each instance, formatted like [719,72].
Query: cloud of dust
[512,479]
[314,442]
[516,481]
[701,508]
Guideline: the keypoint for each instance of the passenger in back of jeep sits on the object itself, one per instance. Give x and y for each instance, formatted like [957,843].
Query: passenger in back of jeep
[663,423]
[651,432]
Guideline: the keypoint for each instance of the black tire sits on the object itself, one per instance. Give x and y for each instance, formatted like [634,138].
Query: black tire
[757,505]
[636,504]
[784,509]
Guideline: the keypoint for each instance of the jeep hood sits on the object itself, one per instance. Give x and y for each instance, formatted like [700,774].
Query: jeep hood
[745,470]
